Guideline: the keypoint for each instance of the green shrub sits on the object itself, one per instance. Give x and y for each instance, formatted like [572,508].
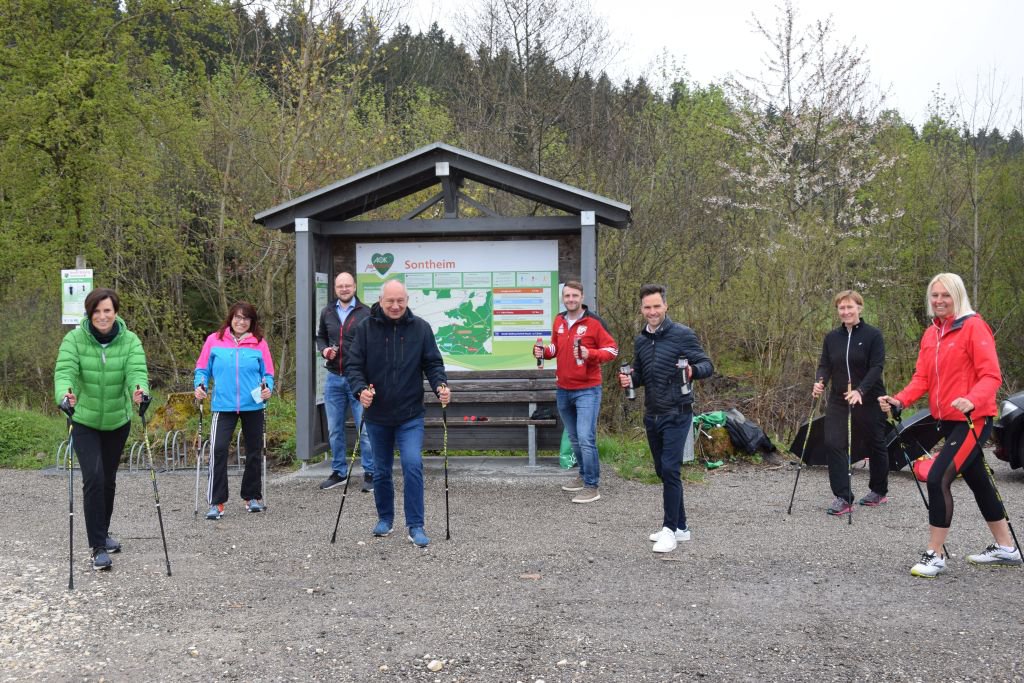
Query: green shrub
[29,440]
[629,455]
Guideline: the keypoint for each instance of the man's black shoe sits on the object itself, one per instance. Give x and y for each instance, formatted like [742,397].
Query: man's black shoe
[334,480]
[368,483]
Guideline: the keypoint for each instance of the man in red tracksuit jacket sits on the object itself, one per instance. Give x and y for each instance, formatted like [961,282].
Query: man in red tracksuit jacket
[580,343]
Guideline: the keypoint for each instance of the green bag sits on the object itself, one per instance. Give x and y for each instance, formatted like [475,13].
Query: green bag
[566,459]
[710,420]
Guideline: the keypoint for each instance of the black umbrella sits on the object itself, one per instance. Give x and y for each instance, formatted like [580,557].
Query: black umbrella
[915,435]
[816,454]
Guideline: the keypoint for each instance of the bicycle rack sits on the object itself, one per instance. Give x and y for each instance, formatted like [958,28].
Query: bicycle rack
[239,453]
[175,449]
[61,461]
[135,455]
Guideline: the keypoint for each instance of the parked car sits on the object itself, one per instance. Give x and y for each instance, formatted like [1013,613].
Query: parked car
[1008,431]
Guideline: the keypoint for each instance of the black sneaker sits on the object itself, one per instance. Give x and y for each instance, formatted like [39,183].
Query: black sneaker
[334,480]
[368,483]
[100,559]
[112,545]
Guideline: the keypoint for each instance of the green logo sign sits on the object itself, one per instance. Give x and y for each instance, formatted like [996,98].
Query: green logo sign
[383,262]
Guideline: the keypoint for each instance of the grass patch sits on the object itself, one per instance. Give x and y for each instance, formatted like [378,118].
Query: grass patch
[629,455]
[28,439]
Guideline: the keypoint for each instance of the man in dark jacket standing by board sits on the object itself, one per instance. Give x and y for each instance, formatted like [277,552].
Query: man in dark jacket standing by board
[385,363]
[667,358]
[337,321]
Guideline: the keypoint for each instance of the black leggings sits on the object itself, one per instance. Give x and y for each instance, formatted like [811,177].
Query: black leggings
[221,430]
[869,429]
[99,454]
[961,455]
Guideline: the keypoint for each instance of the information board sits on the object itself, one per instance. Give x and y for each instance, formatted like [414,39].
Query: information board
[318,363]
[487,302]
[75,284]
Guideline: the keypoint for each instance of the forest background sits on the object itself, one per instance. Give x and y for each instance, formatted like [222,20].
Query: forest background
[145,134]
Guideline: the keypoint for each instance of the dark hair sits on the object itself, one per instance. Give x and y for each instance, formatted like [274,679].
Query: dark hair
[647,290]
[93,299]
[249,311]
[575,284]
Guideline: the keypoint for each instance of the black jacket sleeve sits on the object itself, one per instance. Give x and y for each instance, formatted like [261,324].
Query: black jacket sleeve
[431,361]
[322,339]
[354,359]
[876,363]
[824,371]
[694,353]
[637,363]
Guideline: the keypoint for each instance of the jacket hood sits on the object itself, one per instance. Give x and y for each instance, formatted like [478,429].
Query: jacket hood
[957,323]
[118,320]
[378,314]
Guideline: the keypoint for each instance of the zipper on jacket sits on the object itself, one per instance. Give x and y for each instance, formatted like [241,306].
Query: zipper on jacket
[238,389]
[849,338]
[939,334]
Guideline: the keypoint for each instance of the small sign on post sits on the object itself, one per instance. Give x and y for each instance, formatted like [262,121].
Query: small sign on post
[75,284]
[321,371]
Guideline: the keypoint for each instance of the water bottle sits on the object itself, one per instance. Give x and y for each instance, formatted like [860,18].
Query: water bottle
[627,369]
[576,352]
[683,364]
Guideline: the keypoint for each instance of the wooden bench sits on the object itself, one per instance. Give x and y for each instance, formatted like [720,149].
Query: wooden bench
[507,399]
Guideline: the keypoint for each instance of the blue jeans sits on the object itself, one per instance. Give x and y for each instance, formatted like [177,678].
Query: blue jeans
[408,439]
[579,409]
[338,400]
[666,435]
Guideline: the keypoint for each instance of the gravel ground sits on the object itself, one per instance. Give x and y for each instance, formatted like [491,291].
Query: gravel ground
[529,588]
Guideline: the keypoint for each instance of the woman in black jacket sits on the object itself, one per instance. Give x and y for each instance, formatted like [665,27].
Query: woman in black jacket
[852,357]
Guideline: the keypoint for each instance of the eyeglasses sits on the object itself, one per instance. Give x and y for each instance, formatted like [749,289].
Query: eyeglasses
[239,316]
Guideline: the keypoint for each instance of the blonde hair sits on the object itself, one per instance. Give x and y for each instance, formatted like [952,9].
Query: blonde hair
[955,286]
[851,294]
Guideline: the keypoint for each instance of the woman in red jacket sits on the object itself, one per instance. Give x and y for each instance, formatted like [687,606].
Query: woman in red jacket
[958,368]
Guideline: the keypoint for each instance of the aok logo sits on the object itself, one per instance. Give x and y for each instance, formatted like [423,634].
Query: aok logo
[382,262]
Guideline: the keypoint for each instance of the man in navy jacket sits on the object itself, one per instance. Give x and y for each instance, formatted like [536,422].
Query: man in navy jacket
[390,353]
[659,352]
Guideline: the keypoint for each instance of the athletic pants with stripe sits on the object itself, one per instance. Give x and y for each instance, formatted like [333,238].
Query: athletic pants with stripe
[960,455]
[221,430]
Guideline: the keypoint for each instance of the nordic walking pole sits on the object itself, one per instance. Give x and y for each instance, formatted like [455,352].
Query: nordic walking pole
[351,463]
[263,477]
[444,448]
[849,442]
[65,407]
[199,452]
[803,451]
[991,478]
[897,414]
[143,406]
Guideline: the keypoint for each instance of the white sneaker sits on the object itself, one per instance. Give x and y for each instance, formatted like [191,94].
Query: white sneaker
[996,556]
[681,534]
[930,566]
[666,542]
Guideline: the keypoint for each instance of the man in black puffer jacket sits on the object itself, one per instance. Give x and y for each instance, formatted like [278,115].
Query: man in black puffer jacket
[667,358]
[385,362]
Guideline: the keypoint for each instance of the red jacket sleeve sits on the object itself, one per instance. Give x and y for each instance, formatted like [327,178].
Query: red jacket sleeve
[607,349]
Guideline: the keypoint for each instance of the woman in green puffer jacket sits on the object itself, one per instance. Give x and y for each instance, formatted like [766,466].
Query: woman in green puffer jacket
[101,370]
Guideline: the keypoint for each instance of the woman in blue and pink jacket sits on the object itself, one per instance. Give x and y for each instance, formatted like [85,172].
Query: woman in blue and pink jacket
[236,359]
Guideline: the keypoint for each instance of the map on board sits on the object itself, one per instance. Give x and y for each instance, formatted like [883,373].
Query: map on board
[462,318]
[487,302]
